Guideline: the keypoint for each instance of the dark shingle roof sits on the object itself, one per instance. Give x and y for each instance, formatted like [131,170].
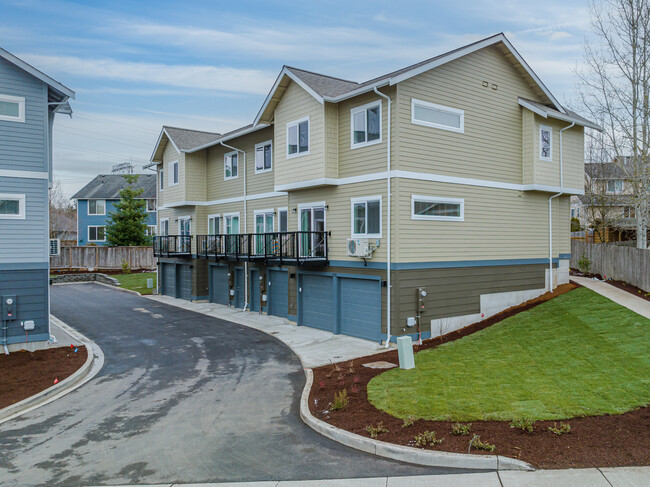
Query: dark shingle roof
[322,84]
[108,186]
[186,139]
[604,170]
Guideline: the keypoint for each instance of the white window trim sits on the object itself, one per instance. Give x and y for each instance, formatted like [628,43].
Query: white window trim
[285,209]
[264,212]
[442,108]
[225,226]
[363,108]
[215,215]
[161,180]
[436,199]
[160,226]
[182,219]
[227,154]
[550,130]
[170,176]
[21,206]
[95,214]
[297,122]
[155,230]
[364,199]
[21,108]
[317,204]
[96,226]
[262,144]
[147,203]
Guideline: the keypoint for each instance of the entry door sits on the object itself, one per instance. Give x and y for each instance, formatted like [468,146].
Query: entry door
[239,288]
[184,230]
[254,289]
[263,224]
[312,220]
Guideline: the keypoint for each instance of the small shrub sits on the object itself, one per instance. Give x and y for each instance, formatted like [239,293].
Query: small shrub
[575,225]
[340,400]
[561,430]
[524,424]
[479,445]
[461,429]
[584,264]
[409,421]
[375,431]
[427,438]
[126,268]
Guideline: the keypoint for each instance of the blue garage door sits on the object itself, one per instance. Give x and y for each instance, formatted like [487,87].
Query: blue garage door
[239,288]
[360,304]
[219,284]
[168,279]
[278,293]
[316,294]
[254,289]
[184,281]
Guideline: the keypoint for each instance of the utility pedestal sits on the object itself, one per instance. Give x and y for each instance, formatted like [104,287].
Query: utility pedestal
[405,352]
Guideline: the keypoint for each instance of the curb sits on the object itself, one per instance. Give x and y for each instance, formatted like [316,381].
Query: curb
[93,364]
[136,293]
[407,454]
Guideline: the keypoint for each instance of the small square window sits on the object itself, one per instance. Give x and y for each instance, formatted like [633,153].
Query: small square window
[96,234]
[12,206]
[96,207]
[151,205]
[366,217]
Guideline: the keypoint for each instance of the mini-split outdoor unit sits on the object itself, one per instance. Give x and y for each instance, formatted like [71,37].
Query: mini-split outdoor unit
[359,247]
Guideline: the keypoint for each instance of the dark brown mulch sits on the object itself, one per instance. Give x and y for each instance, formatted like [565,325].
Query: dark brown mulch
[24,374]
[599,441]
[625,286]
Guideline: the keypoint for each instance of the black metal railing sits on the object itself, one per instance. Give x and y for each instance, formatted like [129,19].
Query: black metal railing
[274,247]
[172,245]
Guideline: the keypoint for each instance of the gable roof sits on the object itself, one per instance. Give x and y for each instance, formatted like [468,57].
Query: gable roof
[63,90]
[182,139]
[108,186]
[326,88]
[604,170]
[549,112]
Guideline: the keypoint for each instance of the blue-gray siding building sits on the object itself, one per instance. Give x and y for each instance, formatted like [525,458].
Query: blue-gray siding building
[97,200]
[29,100]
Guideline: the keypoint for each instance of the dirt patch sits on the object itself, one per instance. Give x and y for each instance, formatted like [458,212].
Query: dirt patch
[598,441]
[27,373]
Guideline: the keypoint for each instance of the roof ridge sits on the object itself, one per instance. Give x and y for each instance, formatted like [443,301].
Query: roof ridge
[190,130]
[323,75]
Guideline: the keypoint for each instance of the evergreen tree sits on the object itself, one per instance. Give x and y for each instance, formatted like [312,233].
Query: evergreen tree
[128,225]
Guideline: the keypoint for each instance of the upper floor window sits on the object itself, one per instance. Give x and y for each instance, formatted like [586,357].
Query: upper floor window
[161,181]
[96,207]
[214,225]
[545,143]
[263,157]
[437,208]
[173,174]
[164,226]
[366,217]
[12,108]
[366,124]
[283,220]
[12,206]
[298,137]
[232,223]
[96,234]
[230,165]
[615,186]
[151,231]
[151,205]
[629,212]
[437,116]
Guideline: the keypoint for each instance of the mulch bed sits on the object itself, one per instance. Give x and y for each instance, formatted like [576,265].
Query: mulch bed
[597,441]
[24,374]
[625,286]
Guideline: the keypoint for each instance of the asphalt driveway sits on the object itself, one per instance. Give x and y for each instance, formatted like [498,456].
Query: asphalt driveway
[182,397]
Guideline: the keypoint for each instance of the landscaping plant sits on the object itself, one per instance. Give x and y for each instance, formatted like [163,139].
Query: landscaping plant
[584,264]
[526,425]
[461,429]
[340,400]
[128,225]
[479,445]
[409,421]
[375,431]
[561,430]
[427,438]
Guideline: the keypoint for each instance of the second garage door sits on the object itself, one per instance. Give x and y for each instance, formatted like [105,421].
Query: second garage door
[184,281]
[168,280]
[219,284]
[316,294]
[360,304]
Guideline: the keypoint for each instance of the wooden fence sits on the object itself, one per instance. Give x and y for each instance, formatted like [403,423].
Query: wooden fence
[103,258]
[618,262]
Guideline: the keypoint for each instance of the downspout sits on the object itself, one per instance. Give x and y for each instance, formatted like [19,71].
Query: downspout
[245,226]
[388,227]
[550,215]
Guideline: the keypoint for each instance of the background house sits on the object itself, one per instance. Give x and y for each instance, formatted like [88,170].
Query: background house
[29,101]
[97,200]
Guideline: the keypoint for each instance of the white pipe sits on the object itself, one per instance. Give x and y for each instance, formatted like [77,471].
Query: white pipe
[550,214]
[388,228]
[245,226]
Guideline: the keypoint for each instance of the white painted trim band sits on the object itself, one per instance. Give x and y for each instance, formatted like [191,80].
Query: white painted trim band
[15,173]
[234,199]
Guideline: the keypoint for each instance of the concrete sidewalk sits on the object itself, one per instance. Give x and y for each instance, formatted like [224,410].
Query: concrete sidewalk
[587,477]
[630,301]
[313,347]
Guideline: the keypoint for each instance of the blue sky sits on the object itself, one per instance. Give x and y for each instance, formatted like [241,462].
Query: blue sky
[137,65]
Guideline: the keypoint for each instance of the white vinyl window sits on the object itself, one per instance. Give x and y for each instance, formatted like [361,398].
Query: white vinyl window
[161,180]
[629,212]
[151,230]
[615,186]
[214,224]
[230,169]
[96,207]
[164,226]
[231,221]
[366,125]
[12,206]
[545,143]
[151,205]
[12,108]
[283,219]
[96,234]
[263,157]
[298,138]
[366,217]
[437,208]
[437,116]
[173,173]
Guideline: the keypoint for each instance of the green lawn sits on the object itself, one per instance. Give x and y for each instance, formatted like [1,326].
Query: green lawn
[137,282]
[579,354]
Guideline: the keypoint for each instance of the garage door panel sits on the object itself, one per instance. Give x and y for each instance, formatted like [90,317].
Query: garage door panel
[278,293]
[219,284]
[254,289]
[169,279]
[360,302]
[317,302]
[184,281]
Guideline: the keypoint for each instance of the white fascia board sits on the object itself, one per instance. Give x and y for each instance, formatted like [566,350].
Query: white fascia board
[234,135]
[533,108]
[234,199]
[358,91]
[558,116]
[155,147]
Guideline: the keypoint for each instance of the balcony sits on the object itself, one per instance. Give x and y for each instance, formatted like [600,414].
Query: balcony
[288,248]
[172,246]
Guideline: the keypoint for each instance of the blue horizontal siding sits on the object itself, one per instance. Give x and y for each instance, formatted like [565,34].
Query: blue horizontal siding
[32,303]
[84,219]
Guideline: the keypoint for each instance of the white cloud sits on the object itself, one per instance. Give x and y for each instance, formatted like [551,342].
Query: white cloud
[191,76]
